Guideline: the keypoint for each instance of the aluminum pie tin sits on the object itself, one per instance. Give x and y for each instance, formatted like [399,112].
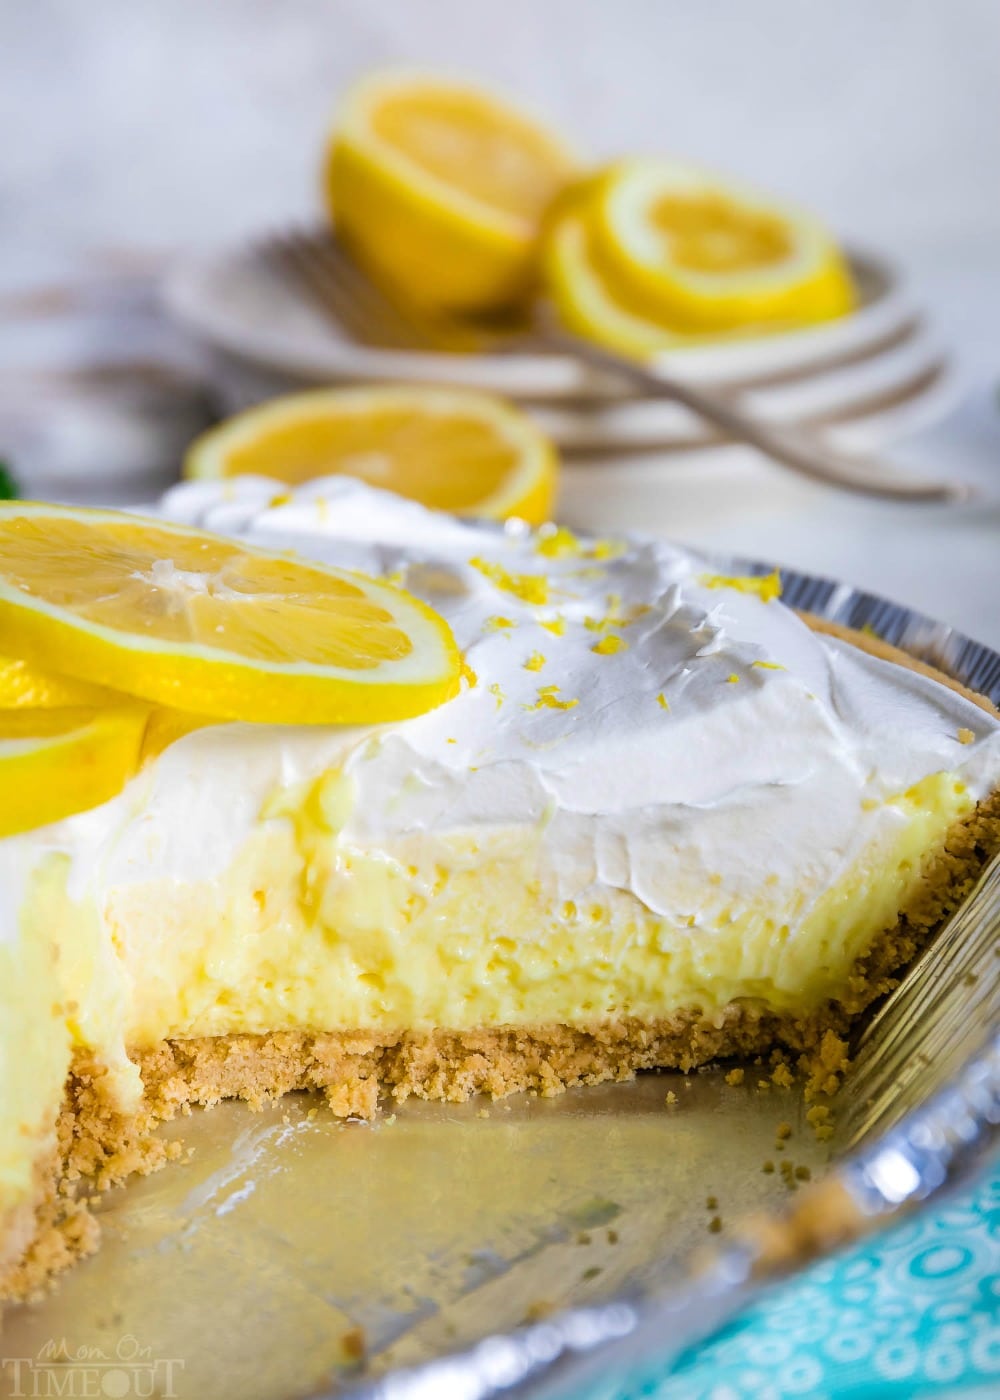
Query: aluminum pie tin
[527,1248]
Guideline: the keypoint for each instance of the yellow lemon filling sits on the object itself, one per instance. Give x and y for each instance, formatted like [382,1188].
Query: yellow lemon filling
[34,1061]
[307,931]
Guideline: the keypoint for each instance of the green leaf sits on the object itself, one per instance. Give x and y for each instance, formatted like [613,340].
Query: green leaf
[9,488]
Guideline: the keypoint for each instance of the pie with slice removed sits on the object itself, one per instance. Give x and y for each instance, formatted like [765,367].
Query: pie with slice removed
[664,821]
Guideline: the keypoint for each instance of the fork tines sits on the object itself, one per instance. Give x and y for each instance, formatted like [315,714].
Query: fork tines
[944,1011]
[316,264]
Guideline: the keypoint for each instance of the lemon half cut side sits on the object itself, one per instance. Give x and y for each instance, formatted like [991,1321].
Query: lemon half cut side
[453,450]
[439,188]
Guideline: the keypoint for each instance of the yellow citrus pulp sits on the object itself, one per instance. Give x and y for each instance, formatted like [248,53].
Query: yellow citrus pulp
[654,254]
[439,189]
[448,449]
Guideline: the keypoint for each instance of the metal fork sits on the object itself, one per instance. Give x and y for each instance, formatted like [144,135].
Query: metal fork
[938,1019]
[318,267]
[928,1075]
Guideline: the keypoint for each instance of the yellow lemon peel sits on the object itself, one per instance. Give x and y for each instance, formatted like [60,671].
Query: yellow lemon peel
[766,586]
[530,588]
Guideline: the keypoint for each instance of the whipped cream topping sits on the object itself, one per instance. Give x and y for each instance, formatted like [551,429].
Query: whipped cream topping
[663,736]
[659,730]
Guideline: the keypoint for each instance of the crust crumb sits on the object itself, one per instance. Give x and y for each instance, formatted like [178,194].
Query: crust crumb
[354,1344]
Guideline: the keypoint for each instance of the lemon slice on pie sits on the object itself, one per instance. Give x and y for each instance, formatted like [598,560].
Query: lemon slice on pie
[702,256]
[439,188]
[24,685]
[211,626]
[449,450]
[54,762]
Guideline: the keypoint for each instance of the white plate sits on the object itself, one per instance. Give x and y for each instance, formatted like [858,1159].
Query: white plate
[894,391]
[231,301]
[268,340]
[904,388]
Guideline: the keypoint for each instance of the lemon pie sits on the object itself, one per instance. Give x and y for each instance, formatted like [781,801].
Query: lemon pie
[663,820]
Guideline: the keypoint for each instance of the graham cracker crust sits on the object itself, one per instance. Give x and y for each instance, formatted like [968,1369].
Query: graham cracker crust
[46,1235]
[355,1070]
[875,646]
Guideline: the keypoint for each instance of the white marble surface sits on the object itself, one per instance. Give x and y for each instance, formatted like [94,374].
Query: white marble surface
[176,120]
[175,123]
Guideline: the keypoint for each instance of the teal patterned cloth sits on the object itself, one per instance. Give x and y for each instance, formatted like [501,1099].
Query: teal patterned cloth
[914,1312]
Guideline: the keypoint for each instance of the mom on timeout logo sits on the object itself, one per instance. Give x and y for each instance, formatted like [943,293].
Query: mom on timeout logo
[91,1373]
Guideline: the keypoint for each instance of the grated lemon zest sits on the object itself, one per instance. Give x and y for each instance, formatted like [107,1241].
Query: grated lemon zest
[560,544]
[564,544]
[548,700]
[530,588]
[616,616]
[765,587]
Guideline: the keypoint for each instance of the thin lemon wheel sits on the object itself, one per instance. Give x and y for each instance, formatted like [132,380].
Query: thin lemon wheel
[585,301]
[449,450]
[24,685]
[702,255]
[212,626]
[55,762]
[439,189]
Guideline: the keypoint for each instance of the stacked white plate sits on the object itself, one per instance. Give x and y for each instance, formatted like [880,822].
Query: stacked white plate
[877,367]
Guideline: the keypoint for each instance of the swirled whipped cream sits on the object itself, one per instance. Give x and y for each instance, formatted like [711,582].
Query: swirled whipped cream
[658,788]
[667,725]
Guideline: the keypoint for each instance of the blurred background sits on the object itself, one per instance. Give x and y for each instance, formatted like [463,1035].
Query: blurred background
[138,134]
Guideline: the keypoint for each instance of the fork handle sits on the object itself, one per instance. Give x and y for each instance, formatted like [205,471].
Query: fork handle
[799,449]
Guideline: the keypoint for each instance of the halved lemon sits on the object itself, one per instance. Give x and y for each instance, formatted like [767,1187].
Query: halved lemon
[450,450]
[54,762]
[701,255]
[439,188]
[212,626]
